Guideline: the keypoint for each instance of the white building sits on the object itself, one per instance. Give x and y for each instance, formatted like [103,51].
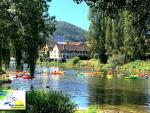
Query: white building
[67,50]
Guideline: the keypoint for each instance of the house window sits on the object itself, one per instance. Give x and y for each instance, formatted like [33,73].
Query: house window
[63,56]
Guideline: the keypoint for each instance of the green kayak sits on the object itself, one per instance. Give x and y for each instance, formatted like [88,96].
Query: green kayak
[80,74]
[131,77]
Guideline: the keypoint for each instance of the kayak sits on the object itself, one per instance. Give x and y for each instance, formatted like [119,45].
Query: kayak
[26,77]
[98,72]
[134,75]
[21,74]
[120,74]
[80,74]
[38,72]
[93,73]
[58,73]
[131,77]
[109,76]
[141,75]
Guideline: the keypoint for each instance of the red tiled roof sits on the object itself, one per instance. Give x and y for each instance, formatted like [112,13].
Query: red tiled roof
[73,46]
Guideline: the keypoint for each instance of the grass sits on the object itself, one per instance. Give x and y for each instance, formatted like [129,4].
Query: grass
[115,109]
[92,63]
[137,66]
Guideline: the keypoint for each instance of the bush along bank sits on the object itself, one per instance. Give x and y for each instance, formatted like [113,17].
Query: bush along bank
[47,101]
[137,66]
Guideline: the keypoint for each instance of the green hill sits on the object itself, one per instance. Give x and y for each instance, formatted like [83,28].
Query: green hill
[68,32]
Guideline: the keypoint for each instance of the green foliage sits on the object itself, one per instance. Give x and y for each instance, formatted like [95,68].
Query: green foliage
[92,109]
[108,38]
[116,60]
[2,71]
[70,32]
[47,102]
[96,35]
[123,27]
[75,60]
[24,27]
[129,47]
[138,64]
[119,30]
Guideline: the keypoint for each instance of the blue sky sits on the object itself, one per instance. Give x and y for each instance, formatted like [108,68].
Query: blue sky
[67,10]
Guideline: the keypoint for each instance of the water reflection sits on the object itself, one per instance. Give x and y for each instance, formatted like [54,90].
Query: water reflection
[117,91]
[89,90]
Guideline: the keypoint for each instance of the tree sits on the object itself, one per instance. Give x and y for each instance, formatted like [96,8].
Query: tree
[109,43]
[96,35]
[35,23]
[125,26]
[25,26]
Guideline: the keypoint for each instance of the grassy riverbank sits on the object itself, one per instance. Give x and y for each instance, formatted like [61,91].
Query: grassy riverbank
[57,102]
[137,66]
[115,109]
[92,63]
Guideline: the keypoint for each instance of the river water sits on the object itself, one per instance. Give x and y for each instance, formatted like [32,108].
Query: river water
[90,90]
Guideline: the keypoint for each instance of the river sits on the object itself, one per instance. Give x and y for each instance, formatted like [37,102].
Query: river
[90,90]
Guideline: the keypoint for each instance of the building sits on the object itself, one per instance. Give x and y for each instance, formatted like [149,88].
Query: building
[43,51]
[68,50]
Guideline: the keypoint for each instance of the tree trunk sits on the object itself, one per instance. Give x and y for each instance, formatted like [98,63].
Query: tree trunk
[18,59]
[0,61]
[32,60]
[0,57]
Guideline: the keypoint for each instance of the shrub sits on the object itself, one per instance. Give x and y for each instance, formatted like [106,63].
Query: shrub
[47,102]
[91,109]
[75,60]
[116,60]
[2,71]
[83,57]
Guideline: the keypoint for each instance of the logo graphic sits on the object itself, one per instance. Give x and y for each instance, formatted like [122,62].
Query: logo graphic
[12,100]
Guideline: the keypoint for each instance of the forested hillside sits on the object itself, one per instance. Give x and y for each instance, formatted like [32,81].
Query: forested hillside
[68,32]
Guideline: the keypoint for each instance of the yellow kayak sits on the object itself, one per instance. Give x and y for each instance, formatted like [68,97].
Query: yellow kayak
[109,76]
[94,73]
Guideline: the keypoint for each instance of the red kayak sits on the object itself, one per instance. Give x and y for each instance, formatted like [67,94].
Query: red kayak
[26,77]
[19,75]
[141,74]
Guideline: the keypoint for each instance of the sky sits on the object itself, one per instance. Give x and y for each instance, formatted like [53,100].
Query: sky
[67,10]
